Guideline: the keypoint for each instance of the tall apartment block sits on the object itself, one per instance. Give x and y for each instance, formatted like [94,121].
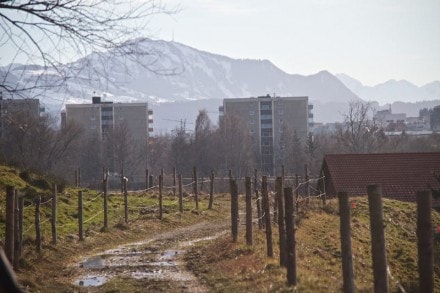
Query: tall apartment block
[100,119]
[265,117]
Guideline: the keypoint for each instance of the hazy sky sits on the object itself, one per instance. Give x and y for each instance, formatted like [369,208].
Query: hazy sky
[373,41]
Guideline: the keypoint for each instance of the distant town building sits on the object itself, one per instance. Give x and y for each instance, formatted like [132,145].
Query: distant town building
[265,117]
[108,121]
[101,118]
[10,108]
[435,119]
[390,121]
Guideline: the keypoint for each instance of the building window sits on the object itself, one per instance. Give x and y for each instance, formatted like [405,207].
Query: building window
[280,111]
[92,126]
[93,118]
[251,121]
[251,112]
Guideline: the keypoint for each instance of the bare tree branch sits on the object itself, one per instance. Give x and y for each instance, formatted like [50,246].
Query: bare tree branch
[50,32]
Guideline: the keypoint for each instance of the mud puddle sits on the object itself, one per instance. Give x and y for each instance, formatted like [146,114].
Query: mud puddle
[153,259]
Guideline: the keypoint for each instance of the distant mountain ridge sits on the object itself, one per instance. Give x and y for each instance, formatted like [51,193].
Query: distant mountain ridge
[172,77]
[392,90]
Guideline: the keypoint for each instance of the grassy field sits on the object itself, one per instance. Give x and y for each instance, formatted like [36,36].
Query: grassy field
[222,265]
[236,267]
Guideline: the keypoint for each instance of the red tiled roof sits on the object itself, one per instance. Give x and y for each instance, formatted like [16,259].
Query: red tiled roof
[400,174]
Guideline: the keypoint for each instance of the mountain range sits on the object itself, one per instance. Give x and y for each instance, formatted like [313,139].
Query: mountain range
[177,81]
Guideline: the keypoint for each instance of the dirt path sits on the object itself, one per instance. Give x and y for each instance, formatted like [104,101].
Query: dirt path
[152,264]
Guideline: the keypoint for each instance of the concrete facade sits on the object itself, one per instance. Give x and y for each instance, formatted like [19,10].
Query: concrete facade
[101,118]
[120,121]
[265,117]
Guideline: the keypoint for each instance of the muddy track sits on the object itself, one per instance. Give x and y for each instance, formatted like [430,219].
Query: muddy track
[157,260]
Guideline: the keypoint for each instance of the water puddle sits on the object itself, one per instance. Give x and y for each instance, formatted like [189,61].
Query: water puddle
[91,281]
[142,260]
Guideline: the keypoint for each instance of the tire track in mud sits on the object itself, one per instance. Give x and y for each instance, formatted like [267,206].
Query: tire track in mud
[154,259]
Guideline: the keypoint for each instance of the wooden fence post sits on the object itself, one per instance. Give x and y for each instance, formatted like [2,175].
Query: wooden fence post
[425,242]
[105,191]
[122,181]
[125,201]
[54,215]
[306,178]
[290,236]
[17,231]
[174,181]
[146,180]
[347,261]
[20,225]
[80,215]
[150,181]
[37,201]
[211,191]
[266,206]
[296,193]
[76,178]
[10,223]
[234,210]
[160,197]
[179,178]
[378,250]
[195,182]
[279,195]
[79,177]
[258,199]
[248,211]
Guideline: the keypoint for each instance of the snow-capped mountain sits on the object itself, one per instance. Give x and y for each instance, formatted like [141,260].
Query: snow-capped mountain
[392,90]
[160,71]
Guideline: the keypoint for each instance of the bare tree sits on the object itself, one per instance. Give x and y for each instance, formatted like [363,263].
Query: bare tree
[50,32]
[358,131]
[235,144]
[202,143]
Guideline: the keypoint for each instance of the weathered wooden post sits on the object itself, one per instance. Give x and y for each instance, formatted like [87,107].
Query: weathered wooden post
[347,260]
[296,193]
[211,191]
[258,199]
[20,225]
[10,225]
[307,183]
[146,180]
[266,206]
[17,231]
[234,210]
[378,250]
[195,182]
[125,201]
[279,195]
[290,236]
[425,242]
[180,193]
[160,197]
[54,215]
[122,181]
[80,215]
[37,201]
[79,177]
[174,181]
[105,191]
[150,181]
[248,211]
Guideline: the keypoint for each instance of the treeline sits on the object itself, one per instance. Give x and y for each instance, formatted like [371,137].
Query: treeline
[37,144]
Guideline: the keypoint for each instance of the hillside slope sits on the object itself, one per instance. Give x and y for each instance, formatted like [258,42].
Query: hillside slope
[230,267]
